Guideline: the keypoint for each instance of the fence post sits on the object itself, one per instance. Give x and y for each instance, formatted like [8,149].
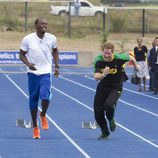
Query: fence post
[26,16]
[103,19]
[69,21]
[143,22]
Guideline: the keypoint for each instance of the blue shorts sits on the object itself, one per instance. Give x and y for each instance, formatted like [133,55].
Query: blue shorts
[39,87]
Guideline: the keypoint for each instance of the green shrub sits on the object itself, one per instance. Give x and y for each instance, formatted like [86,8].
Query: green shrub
[118,23]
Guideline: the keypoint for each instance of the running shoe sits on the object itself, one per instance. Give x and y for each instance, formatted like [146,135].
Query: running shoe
[104,136]
[44,122]
[36,133]
[112,125]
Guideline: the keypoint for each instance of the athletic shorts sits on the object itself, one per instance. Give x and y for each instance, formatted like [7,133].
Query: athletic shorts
[39,88]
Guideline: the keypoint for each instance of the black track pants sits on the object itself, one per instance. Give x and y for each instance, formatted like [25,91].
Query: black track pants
[105,101]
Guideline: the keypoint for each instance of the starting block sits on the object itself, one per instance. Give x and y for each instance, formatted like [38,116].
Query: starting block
[23,123]
[89,125]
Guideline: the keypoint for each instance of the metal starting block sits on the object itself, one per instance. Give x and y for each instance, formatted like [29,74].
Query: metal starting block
[23,123]
[89,125]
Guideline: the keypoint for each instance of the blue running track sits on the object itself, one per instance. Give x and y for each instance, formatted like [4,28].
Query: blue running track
[73,92]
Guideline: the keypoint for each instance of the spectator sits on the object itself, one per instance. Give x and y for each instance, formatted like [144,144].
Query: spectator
[140,53]
[77,5]
[153,64]
[151,73]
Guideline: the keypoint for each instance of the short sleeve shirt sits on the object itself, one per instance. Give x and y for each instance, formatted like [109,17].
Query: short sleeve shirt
[39,52]
[140,53]
[117,74]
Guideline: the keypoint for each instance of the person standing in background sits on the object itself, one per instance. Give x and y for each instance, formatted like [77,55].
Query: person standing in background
[151,72]
[36,52]
[153,64]
[77,5]
[140,53]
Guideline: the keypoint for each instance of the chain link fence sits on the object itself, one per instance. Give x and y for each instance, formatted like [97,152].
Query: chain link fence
[116,20]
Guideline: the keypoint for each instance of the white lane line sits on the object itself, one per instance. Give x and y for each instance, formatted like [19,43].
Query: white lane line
[132,105]
[126,129]
[139,93]
[145,95]
[53,122]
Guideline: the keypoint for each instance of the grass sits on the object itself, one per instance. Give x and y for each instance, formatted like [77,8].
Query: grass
[13,18]
[88,47]
[86,32]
